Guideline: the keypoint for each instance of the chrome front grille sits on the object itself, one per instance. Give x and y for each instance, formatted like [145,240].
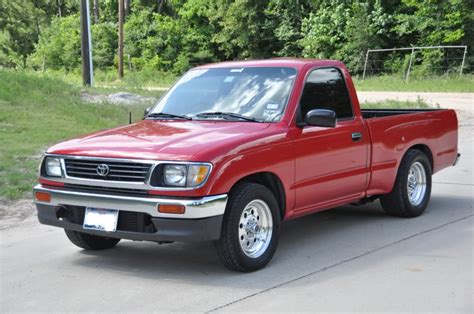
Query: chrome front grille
[107,170]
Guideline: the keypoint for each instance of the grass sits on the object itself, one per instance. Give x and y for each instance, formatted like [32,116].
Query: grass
[445,83]
[109,78]
[396,104]
[37,111]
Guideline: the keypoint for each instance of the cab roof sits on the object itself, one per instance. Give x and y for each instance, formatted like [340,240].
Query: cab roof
[296,63]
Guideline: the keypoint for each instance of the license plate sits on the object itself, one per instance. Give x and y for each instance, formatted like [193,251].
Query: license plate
[100,219]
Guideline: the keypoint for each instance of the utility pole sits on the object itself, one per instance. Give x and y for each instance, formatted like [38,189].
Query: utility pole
[86,44]
[120,39]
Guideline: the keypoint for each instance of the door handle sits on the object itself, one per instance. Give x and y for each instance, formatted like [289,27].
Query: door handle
[356,136]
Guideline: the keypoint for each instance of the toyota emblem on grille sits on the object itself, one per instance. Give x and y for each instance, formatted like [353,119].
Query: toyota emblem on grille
[102,170]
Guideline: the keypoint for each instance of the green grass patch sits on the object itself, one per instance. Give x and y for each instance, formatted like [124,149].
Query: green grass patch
[38,111]
[109,78]
[445,83]
[396,104]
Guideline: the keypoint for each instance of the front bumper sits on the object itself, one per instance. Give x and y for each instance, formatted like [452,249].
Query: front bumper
[138,216]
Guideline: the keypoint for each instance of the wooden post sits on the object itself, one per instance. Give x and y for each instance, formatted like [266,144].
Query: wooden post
[120,39]
[463,60]
[409,65]
[365,64]
[86,44]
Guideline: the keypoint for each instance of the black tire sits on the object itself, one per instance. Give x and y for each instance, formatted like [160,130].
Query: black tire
[228,247]
[91,242]
[397,202]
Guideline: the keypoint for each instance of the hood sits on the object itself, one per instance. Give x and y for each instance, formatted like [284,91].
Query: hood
[160,140]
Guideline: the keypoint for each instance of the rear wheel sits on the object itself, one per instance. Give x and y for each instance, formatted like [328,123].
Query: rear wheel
[91,242]
[412,190]
[249,235]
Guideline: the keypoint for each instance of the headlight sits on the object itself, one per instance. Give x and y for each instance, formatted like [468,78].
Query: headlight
[53,167]
[185,175]
[175,175]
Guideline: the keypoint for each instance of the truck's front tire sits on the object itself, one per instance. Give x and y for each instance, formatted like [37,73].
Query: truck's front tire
[412,190]
[90,242]
[250,228]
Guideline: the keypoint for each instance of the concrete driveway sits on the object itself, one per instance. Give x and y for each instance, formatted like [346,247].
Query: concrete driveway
[346,259]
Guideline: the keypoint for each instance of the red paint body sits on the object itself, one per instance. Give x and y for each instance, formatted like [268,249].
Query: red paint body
[319,168]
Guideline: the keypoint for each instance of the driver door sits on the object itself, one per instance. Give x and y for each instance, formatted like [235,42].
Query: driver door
[331,163]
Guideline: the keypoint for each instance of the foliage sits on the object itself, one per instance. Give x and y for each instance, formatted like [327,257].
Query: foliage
[19,30]
[174,35]
[284,18]
[59,45]
[345,30]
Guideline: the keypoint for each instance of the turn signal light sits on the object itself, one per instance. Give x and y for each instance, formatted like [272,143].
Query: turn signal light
[43,197]
[171,209]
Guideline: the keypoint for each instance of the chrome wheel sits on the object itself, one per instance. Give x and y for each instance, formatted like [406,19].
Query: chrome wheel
[416,183]
[255,228]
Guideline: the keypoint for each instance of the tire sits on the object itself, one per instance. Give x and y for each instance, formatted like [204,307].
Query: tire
[415,171]
[250,208]
[91,242]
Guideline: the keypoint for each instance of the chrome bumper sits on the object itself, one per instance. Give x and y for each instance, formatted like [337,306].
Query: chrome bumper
[204,207]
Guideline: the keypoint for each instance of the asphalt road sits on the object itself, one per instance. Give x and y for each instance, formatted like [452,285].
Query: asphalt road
[346,259]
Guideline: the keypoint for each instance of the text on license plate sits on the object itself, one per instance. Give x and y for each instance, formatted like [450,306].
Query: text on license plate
[100,219]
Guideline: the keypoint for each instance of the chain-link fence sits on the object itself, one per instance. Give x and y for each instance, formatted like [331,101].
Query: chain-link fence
[415,60]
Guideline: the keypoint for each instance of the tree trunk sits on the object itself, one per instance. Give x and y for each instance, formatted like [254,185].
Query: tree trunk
[96,11]
[161,3]
[127,7]
[58,3]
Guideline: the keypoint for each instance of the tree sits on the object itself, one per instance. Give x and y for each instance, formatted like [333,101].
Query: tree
[19,28]
[284,21]
[240,30]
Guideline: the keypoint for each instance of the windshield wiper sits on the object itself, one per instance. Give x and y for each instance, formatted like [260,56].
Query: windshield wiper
[167,115]
[227,114]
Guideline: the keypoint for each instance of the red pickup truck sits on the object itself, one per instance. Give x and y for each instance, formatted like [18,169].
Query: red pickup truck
[232,150]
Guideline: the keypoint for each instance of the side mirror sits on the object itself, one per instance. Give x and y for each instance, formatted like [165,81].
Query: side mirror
[321,117]
[147,111]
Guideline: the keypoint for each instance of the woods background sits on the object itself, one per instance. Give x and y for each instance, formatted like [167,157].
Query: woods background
[171,36]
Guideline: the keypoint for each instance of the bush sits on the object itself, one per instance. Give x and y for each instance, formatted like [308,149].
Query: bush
[60,45]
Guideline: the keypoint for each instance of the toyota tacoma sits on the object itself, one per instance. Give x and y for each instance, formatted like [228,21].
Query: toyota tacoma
[232,150]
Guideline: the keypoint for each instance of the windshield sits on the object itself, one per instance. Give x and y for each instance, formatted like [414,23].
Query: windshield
[260,93]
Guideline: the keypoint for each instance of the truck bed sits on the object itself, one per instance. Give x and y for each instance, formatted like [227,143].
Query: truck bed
[393,131]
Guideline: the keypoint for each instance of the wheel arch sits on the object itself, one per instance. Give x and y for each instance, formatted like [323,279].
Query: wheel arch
[425,149]
[272,182]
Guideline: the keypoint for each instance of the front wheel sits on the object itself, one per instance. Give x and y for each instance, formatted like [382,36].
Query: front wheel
[412,190]
[250,228]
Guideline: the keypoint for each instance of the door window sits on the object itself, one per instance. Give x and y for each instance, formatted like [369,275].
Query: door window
[326,89]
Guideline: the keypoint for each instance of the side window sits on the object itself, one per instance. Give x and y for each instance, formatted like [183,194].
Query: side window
[326,89]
